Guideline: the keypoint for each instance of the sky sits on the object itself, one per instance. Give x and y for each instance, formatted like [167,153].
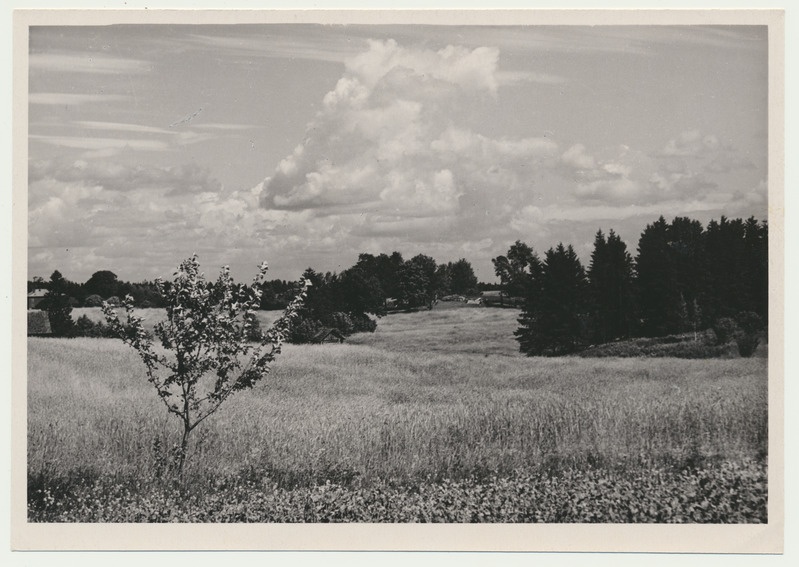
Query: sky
[305,145]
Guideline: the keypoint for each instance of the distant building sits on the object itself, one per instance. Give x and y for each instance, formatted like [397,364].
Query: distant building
[35,297]
[38,323]
[328,336]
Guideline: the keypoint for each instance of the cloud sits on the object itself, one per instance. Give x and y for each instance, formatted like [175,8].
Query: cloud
[691,143]
[576,157]
[224,126]
[120,127]
[520,77]
[102,147]
[109,176]
[388,152]
[73,99]
[145,217]
[88,62]
[703,151]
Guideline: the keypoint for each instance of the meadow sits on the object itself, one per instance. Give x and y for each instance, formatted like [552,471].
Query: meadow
[434,417]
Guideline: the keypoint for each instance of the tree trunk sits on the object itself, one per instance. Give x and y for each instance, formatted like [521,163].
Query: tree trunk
[184,445]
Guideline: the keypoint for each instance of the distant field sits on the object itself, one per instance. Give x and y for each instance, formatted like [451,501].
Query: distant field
[436,401]
[154,315]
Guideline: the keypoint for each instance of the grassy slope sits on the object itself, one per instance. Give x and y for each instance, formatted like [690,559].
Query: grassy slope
[440,394]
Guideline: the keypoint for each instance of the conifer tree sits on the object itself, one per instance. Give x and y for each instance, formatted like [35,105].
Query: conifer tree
[552,321]
[610,277]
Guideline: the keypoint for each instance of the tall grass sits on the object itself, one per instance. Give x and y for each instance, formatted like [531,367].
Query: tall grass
[366,413]
[430,397]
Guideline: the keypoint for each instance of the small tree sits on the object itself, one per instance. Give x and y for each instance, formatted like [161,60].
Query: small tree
[205,355]
[56,303]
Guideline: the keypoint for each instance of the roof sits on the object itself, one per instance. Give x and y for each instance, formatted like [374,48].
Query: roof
[325,333]
[38,293]
[38,323]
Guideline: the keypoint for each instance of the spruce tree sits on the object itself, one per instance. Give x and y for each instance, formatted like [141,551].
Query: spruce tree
[552,321]
[610,277]
[658,294]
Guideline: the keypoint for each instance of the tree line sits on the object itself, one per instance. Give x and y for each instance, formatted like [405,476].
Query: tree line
[104,285]
[684,277]
[348,301]
[375,285]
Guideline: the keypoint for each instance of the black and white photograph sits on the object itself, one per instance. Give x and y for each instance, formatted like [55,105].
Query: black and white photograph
[399,271]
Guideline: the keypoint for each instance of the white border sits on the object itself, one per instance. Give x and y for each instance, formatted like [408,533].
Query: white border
[550,537]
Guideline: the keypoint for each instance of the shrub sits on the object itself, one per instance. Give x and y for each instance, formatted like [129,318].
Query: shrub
[93,300]
[725,329]
[343,322]
[86,327]
[303,330]
[253,328]
[749,322]
[747,344]
[362,323]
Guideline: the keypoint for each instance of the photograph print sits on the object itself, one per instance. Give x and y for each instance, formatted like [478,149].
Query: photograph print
[397,273]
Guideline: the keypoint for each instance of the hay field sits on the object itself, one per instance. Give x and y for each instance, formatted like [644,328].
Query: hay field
[431,398]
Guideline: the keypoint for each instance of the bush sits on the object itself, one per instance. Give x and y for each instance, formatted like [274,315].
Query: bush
[343,322]
[749,322]
[725,329]
[85,327]
[678,346]
[362,323]
[303,330]
[93,300]
[254,332]
[747,344]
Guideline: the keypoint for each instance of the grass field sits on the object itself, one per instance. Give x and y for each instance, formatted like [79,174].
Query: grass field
[434,417]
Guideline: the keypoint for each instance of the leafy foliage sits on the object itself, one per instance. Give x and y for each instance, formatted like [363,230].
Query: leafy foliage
[725,329]
[518,269]
[729,492]
[93,300]
[58,307]
[86,327]
[206,354]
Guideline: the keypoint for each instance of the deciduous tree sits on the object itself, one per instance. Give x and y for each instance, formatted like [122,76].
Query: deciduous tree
[204,355]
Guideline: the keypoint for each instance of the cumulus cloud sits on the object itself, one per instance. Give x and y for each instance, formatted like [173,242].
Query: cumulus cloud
[691,143]
[110,176]
[390,154]
[576,157]
[706,150]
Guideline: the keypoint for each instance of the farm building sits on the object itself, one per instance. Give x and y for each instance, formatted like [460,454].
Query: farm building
[35,297]
[38,323]
[328,336]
